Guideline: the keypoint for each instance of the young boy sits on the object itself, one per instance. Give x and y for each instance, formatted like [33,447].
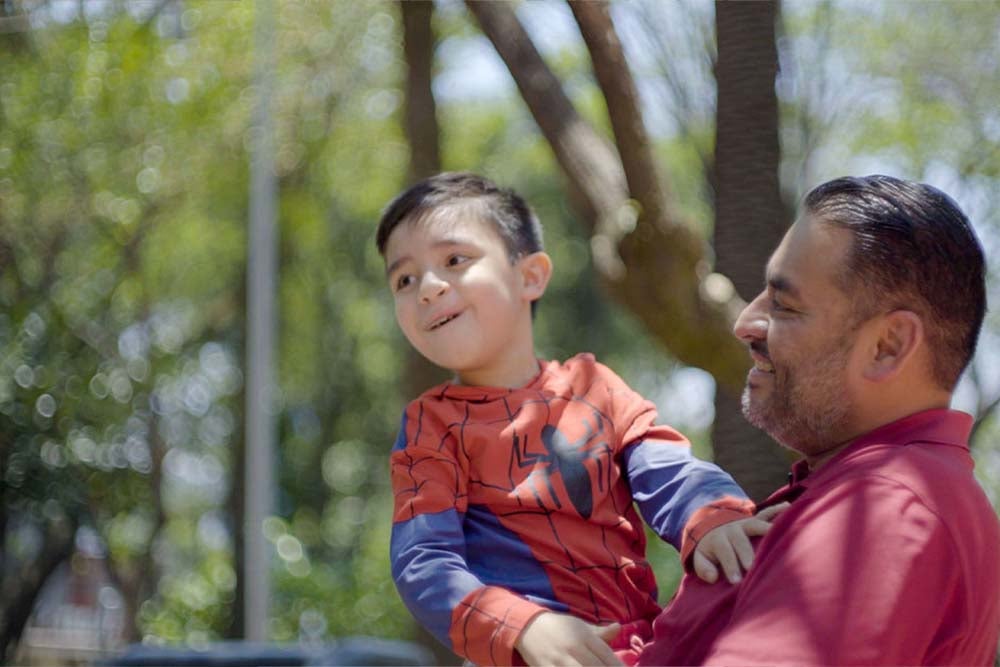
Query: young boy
[515,534]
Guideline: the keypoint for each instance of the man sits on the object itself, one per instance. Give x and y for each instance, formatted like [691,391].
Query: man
[890,551]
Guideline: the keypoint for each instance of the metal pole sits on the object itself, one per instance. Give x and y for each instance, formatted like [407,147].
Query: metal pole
[261,279]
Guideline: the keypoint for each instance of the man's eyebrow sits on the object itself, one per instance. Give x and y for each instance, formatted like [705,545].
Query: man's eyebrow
[782,284]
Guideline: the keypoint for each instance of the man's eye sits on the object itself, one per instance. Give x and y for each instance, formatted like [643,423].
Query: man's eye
[777,306]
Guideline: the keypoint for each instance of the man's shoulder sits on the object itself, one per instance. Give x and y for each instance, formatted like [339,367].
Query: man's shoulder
[933,463]
[937,476]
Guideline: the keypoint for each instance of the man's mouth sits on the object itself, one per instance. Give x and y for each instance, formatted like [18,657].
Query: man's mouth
[441,321]
[761,362]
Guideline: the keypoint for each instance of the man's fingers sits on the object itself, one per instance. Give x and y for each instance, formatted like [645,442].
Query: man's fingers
[704,568]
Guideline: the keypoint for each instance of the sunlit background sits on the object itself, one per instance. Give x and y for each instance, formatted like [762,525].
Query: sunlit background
[125,135]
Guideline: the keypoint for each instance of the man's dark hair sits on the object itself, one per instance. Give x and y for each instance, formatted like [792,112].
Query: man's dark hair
[913,249]
[503,208]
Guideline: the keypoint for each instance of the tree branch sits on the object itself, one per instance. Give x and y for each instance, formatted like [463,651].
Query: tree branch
[652,264]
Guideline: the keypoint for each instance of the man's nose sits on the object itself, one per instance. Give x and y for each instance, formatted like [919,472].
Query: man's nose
[751,325]
[431,287]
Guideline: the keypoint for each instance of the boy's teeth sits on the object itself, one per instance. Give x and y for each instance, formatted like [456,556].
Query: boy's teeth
[443,320]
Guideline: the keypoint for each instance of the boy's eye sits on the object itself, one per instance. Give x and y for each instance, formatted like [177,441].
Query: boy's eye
[403,281]
[455,260]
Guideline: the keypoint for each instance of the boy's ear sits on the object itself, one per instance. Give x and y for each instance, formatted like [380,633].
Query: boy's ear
[536,269]
[900,334]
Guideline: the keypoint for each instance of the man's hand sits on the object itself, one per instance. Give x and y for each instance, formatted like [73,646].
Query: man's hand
[729,546]
[560,639]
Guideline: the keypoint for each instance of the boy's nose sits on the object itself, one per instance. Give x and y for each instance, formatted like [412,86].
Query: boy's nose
[431,287]
[751,325]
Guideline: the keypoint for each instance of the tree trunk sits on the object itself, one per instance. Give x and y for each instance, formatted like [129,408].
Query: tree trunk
[419,107]
[750,217]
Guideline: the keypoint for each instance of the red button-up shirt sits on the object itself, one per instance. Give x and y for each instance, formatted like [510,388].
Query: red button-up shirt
[889,555]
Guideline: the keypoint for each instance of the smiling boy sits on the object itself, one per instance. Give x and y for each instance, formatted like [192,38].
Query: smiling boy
[515,533]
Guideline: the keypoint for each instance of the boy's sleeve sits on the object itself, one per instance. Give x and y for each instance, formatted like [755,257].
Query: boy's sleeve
[427,549]
[681,497]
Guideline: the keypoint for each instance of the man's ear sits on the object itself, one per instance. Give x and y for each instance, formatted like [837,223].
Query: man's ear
[900,334]
[536,269]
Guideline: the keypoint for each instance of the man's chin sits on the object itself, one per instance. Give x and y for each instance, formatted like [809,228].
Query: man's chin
[756,419]
[760,415]
[753,407]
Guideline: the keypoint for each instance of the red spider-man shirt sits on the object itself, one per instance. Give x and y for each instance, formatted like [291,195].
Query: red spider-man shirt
[511,502]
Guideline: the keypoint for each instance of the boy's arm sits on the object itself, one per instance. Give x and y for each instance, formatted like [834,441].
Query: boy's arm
[429,567]
[478,622]
[681,498]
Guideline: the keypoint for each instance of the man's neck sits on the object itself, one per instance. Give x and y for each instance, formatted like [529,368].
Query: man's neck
[867,420]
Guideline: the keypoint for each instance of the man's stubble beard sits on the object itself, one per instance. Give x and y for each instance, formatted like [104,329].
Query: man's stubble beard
[807,411]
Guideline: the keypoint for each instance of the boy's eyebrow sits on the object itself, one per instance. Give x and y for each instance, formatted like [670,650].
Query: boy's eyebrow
[395,265]
[440,243]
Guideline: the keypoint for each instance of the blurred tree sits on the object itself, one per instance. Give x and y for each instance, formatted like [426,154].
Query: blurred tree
[631,231]
[420,108]
[650,258]
[750,216]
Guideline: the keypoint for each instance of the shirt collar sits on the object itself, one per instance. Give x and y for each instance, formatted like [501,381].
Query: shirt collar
[943,426]
[479,394]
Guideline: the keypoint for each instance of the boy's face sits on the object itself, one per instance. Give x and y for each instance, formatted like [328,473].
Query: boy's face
[460,301]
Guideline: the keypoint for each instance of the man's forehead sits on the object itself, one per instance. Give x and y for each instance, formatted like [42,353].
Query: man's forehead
[811,255]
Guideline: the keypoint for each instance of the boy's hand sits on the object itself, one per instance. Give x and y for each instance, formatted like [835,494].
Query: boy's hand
[560,639]
[729,546]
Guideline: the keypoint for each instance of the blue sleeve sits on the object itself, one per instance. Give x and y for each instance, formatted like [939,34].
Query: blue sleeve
[430,570]
[669,484]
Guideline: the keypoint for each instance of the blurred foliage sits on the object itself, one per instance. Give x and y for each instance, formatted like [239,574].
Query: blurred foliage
[123,172]
[124,135]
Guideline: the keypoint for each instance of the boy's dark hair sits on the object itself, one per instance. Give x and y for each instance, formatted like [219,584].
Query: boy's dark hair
[502,207]
[914,249]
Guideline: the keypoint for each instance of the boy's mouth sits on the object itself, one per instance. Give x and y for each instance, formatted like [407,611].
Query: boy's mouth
[441,321]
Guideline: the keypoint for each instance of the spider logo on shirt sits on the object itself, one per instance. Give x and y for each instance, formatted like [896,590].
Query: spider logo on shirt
[569,457]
